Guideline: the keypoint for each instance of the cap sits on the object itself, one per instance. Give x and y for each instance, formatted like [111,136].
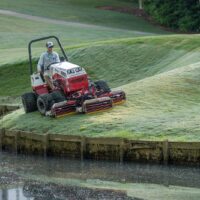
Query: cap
[49,44]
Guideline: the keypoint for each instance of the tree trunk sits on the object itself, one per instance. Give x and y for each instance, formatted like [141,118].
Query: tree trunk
[141,4]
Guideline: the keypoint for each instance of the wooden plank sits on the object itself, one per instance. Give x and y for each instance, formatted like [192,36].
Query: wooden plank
[2,133]
[184,145]
[165,152]
[104,141]
[67,138]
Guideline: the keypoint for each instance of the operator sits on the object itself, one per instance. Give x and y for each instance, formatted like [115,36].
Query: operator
[46,59]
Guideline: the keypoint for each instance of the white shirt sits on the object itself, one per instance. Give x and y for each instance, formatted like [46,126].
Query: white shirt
[46,59]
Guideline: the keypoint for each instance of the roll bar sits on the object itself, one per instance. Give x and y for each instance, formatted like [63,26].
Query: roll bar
[39,39]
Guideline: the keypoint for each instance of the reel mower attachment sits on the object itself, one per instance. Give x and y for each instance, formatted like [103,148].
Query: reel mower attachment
[118,97]
[89,106]
[98,104]
[63,108]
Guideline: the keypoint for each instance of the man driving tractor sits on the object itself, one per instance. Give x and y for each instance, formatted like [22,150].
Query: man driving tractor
[73,92]
[46,59]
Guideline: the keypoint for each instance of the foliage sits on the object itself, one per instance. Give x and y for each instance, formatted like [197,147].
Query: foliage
[180,14]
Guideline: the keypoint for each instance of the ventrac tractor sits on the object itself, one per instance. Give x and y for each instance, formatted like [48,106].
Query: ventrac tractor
[74,92]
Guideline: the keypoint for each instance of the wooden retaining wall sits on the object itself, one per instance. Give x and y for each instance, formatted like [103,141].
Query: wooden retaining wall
[7,108]
[115,149]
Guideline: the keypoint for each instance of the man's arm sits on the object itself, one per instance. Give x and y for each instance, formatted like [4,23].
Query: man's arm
[40,63]
[57,58]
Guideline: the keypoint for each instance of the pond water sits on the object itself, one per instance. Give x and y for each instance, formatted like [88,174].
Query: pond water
[37,178]
[13,194]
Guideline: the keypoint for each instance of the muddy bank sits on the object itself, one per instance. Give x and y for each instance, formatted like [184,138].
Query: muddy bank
[10,178]
[36,189]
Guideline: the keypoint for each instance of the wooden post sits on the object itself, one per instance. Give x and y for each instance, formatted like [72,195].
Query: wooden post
[122,151]
[165,152]
[46,144]
[83,148]
[16,141]
[2,133]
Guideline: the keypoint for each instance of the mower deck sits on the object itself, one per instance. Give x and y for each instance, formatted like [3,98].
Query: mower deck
[89,106]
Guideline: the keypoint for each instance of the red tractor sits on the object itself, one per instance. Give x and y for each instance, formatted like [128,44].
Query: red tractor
[75,92]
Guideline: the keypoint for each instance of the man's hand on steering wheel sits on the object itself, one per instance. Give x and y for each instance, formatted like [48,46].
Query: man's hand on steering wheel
[48,66]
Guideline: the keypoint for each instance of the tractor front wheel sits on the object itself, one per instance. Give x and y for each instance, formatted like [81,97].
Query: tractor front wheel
[29,101]
[44,103]
[58,96]
[102,86]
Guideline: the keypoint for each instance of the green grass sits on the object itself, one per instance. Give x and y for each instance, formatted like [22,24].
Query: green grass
[17,33]
[82,11]
[158,76]
[117,61]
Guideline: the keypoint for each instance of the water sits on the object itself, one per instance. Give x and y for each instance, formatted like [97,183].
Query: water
[13,194]
[32,177]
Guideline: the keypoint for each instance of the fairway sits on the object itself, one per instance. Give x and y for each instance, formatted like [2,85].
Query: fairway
[18,32]
[83,12]
[158,71]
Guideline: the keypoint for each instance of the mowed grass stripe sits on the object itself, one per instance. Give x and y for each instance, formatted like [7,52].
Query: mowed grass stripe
[16,33]
[165,106]
[83,12]
[119,61]
[162,90]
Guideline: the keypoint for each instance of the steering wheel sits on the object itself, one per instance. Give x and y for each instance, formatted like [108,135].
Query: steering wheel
[48,66]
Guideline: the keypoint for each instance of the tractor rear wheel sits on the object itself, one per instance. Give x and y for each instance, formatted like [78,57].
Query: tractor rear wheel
[44,103]
[29,101]
[102,86]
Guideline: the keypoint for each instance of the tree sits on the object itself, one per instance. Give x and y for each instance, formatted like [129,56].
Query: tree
[180,14]
[141,4]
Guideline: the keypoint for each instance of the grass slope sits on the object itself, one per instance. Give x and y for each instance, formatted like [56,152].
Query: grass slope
[158,73]
[82,11]
[117,61]
[17,33]
[159,77]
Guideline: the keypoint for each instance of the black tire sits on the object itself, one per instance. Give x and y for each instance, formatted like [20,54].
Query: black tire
[57,96]
[29,101]
[102,86]
[44,103]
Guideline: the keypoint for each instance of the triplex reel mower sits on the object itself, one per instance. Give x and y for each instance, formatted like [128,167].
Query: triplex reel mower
[74,92]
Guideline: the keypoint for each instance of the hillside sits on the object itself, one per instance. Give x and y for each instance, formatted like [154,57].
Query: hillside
[18,32]
[160,76]
[158,71]
[82,12]
[74,22]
